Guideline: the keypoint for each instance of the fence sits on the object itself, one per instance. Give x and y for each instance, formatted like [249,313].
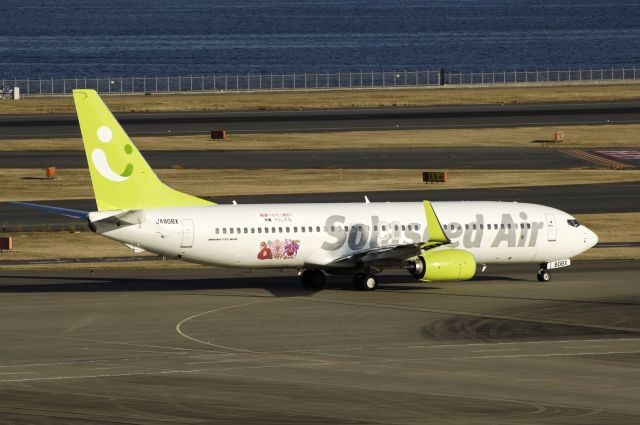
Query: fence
[312,81]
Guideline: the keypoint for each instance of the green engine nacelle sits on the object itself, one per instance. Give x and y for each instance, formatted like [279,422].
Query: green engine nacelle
[444,265]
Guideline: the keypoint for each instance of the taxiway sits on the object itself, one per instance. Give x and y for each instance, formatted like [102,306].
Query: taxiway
[207,345]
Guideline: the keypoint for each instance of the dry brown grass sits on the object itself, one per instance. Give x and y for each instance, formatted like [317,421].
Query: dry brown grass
[338,98]
[29,184]
[630,253]
[613,227]
[531,137]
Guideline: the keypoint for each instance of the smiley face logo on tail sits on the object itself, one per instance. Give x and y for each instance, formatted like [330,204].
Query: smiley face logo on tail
[99,158]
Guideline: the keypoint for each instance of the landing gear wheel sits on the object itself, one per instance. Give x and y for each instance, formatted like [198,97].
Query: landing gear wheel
[544,276]
[313,279]
[365,282]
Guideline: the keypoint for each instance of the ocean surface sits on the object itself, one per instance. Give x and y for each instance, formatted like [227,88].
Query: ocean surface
[69,38]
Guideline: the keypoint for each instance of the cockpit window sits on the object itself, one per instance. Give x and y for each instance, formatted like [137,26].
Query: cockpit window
[573,222]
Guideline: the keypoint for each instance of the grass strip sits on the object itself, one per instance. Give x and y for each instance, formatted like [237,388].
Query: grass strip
[578,136]
[331,99]
[30,184]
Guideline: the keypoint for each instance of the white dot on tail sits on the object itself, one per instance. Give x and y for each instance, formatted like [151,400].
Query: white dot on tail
[104,134]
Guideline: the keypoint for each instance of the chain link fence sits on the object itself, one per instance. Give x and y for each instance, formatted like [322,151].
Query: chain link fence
[311,81]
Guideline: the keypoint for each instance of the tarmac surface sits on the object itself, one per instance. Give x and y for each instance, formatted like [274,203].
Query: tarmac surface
[206,345]
[408,158]
[44,126]
[576,199]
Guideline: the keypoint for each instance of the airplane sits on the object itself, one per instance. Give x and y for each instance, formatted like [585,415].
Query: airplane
[433,241]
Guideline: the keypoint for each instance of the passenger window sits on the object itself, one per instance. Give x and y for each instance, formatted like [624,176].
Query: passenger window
[318,229]
[528,225]
[375,228]
[310,229]
[473,226]
[466,227]
[273,230]
[239,230]
[346,228]
[395,228]
[295,229]
[246,230]
[403,228]
[231,230]
[288,230]
[495,226]
[333,229]
[508,225]
[445,227]
[259,229]
[502,225]
[384,228]
[279,229]
[253,230]
[266,230]
[302,229]
[224,230]
[217,230]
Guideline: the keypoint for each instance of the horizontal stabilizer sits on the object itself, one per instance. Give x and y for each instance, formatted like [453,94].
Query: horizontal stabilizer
[118,218]
[67,212]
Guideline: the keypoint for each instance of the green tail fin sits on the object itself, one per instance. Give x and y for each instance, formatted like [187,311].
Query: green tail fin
[121,178]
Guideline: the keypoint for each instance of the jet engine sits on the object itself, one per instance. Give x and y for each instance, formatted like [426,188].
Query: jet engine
[443,265]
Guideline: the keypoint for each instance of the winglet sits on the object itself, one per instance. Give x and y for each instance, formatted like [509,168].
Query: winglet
[121,178]
[436,233]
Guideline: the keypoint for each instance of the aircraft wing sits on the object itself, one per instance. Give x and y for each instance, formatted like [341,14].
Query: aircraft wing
[378,257]
[394,255]
[383,257]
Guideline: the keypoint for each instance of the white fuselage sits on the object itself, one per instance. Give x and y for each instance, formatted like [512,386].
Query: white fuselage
[299,235]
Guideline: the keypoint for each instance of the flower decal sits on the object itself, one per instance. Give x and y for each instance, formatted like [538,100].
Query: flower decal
[278,249]
[291,248]
[265,252]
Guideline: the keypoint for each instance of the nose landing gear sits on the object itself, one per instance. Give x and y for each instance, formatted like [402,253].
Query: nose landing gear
[543,273]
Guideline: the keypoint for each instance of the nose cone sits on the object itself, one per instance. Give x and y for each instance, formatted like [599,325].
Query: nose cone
[590,239]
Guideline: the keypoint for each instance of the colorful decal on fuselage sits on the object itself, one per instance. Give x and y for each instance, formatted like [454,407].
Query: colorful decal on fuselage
[278,249]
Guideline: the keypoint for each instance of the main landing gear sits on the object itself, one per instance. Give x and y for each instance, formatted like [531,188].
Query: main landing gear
[313,279]
[365,282]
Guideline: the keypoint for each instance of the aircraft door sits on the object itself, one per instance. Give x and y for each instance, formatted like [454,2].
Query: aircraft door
[552,231]
[187,233]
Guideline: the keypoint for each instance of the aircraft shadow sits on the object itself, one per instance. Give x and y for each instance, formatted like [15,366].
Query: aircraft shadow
[279,286]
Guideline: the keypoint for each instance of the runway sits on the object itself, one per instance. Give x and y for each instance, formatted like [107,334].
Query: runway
[576,199]
[407,158]
[190,346]
[478,116]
